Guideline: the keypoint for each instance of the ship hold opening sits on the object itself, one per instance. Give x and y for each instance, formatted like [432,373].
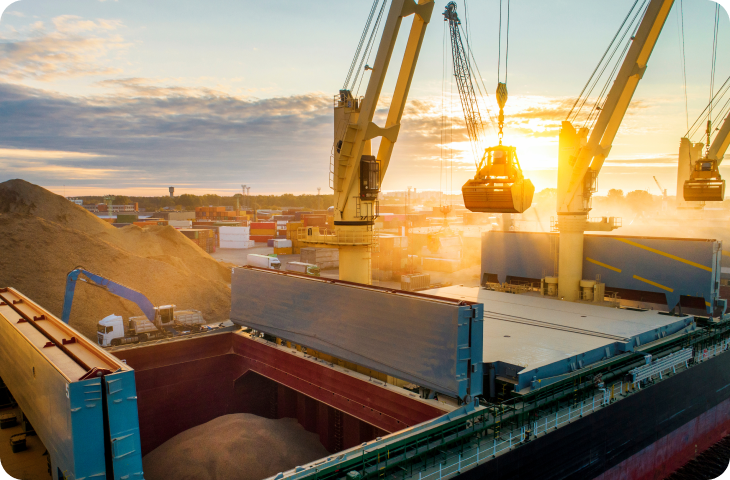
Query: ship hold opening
[234,392]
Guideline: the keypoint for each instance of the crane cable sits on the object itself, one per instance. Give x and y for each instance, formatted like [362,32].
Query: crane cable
[359,45]
[597,105]
[611,46]
[712,76]
[721,92]
[502,87]
[683,57]
[369,47]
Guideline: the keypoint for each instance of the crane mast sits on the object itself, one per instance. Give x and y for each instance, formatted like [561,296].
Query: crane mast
[355,173]
[581,155]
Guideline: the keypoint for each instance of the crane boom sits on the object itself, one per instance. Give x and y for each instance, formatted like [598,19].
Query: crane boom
[594,153]
[463,76]
[581,156]
[720,144]
[659,185]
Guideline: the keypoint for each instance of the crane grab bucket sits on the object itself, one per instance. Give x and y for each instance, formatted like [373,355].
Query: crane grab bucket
[498,186]
[705,183]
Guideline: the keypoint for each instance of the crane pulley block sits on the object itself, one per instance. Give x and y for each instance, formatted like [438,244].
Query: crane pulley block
[498,186]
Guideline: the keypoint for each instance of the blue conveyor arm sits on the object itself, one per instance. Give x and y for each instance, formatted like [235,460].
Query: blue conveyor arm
[112,287]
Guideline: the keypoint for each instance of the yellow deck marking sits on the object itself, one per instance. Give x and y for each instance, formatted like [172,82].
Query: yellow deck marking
[601,264]
[668,255]
[726,253]
[708,304]
[658,285]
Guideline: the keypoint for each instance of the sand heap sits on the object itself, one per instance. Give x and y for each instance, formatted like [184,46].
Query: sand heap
[234,447]
[43,236]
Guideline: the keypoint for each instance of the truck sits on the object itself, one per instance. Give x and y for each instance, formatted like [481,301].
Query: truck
[263,261]
[111,330]
[302,267]
[156,323]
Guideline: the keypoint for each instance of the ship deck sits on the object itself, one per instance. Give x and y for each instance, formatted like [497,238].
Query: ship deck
[534,332]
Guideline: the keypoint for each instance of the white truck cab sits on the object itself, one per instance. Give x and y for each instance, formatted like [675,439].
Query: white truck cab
[108,329]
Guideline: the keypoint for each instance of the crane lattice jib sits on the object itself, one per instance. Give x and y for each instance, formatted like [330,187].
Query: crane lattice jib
[462,73]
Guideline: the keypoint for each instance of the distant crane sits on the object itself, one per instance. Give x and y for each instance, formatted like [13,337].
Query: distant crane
[664,194]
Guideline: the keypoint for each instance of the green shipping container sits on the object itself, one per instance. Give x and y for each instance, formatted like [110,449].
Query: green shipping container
[126,218]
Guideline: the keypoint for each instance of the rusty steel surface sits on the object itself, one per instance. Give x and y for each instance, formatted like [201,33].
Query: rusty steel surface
[53,338]
[199,376]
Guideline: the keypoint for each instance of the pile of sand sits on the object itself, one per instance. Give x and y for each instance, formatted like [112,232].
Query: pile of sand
[44,236]
[239,446]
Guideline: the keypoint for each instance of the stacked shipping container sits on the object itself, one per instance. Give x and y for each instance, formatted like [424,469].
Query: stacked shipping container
[203,238]
[263,231]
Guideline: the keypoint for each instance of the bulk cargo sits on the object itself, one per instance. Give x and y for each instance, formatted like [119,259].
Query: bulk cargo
[283,251]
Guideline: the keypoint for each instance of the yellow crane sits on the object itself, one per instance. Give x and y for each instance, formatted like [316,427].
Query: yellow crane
[581,155]
[355,173]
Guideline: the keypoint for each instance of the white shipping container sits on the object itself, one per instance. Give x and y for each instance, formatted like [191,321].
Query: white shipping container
[282,243]
[235,238]
[180,223]
[223,231]
[238,244]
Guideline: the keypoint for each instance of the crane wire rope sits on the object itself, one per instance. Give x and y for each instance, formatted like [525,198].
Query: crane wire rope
[683,56]
[593,114]
[359,45]
[721,92]
[443,115]
[600,62]
[369,48]
[712,73]
[484,94]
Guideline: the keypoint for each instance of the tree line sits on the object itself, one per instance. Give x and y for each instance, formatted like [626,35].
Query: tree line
[189,201]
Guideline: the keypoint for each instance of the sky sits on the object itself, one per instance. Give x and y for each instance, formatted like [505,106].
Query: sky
[132,96]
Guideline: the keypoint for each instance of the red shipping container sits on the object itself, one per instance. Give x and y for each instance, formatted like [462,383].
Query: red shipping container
[263,225]
[314,220]
[261,238]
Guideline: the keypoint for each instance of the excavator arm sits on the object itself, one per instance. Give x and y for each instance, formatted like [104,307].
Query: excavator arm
[594,153]
[112,287]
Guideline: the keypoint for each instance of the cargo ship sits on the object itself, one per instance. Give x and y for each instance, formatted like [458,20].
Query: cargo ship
[451,382]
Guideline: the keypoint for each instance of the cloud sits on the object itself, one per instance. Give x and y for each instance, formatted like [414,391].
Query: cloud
[75,47]
[188,136]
